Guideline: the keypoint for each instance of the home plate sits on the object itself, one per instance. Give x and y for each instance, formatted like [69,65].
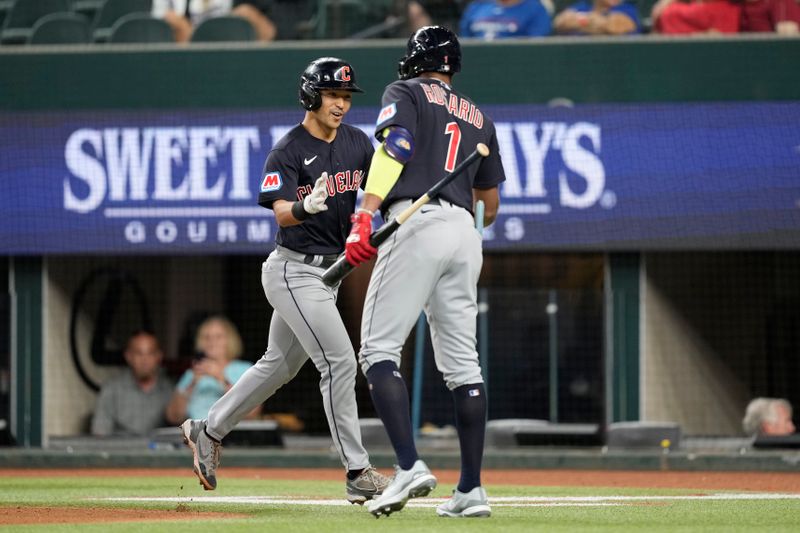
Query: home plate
[503,501]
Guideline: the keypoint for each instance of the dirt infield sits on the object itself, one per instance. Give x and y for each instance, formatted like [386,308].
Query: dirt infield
[754,481]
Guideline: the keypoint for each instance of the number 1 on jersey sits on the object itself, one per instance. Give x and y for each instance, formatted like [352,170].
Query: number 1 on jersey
[454,132]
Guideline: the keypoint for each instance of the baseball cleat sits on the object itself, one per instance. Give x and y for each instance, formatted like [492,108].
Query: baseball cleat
[367,485]
[474,503]
[206,452]
[413,483]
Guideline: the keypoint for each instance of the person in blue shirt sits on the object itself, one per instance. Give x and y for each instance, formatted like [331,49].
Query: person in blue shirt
[215,369]
[598,17]
[502,19]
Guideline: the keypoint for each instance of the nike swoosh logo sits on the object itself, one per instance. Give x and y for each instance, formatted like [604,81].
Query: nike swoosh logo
[309,161]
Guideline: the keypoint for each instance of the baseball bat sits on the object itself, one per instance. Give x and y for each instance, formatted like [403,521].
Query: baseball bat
[341,268]
[480,210]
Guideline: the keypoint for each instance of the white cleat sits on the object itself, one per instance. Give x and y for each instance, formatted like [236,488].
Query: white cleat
[473,504]
[413,483]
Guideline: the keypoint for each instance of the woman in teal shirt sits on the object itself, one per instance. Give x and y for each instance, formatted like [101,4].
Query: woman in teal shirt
[215,370]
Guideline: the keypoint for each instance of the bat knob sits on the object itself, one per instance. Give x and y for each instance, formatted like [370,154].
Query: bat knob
[482,149]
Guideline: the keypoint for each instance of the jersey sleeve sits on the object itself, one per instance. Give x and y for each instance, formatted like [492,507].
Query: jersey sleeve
[278,180]
[399,109]
[369,150]
[490,172]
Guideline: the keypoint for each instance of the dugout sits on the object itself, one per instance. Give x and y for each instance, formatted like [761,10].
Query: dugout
[644,266]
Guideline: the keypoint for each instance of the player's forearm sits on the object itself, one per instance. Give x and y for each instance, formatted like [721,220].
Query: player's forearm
[283,213]
[371,202]
[491,203]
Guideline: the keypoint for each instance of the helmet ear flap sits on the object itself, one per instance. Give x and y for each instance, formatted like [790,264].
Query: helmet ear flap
[402,69]
[310,98]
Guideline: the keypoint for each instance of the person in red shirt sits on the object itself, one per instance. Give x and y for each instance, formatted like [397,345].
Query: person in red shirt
[714,16]
[780,16]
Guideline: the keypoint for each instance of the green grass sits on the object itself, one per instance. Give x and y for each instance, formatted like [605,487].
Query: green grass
[691,515]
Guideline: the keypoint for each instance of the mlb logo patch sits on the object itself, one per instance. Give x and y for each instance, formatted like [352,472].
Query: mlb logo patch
[474,392]
[387,112]
[272,182]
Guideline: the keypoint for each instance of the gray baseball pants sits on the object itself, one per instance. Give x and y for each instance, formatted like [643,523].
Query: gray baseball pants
[432,262]
[305,323]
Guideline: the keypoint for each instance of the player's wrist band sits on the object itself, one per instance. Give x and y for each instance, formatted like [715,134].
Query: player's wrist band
[299,212]
[365,210]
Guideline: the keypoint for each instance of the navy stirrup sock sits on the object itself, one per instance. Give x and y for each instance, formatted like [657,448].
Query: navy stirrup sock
[390,397]
[470,404]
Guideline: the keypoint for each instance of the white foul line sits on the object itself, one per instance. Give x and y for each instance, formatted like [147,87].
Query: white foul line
[502,501]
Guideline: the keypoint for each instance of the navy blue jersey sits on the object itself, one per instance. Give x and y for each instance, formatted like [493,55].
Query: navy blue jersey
[292,167]
[446,127]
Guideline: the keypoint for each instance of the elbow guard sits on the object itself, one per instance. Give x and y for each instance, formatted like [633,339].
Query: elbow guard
[398,143]
[383,173]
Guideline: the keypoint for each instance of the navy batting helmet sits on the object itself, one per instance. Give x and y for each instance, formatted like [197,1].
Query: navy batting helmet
[325,73]
[430,49]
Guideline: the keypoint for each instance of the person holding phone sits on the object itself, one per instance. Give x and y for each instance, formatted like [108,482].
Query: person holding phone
[215,368]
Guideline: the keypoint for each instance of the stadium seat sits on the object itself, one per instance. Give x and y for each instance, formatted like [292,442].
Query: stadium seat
[141,28]
[561,5]
[5,7]
[23,15]
[87,8]
[219,29]
[338,19]
[112,11]
[290,18]
[61,28]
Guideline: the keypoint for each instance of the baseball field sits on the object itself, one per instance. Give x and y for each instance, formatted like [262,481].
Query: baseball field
[300,500]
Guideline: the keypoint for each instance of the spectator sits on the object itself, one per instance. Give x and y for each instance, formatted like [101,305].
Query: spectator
[768,416]
[598,17]
[185,15]
[779,16]
[133,403]
[715,16]
[214,371]
[501,19]
[427,12]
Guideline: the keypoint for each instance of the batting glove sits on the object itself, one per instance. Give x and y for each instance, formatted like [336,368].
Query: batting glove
[315,202]
[357,249]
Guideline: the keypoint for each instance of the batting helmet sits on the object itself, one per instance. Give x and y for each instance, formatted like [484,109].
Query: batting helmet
[430,49]
[325,73]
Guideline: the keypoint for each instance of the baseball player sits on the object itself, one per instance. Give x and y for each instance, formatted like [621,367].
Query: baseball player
[432,262]
[310,180]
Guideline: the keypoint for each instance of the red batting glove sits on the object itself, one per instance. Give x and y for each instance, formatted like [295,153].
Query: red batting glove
[357,249]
